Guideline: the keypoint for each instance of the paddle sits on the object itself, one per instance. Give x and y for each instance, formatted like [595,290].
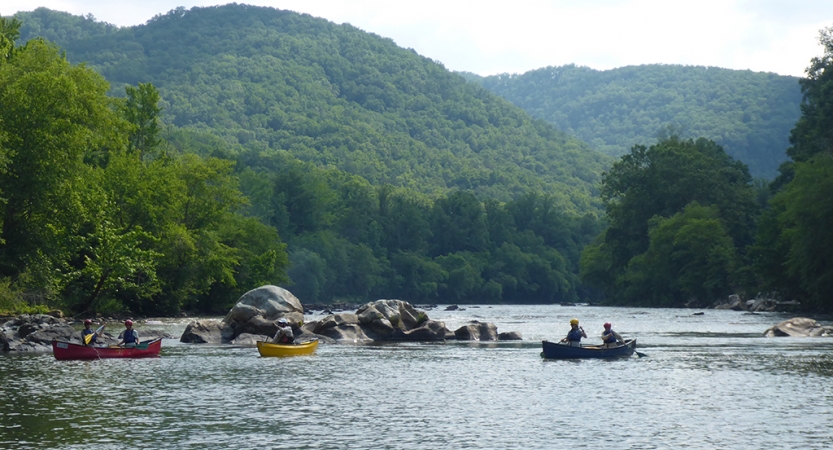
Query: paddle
[88,338]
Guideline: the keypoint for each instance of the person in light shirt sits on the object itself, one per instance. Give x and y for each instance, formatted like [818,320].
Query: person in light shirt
[284,334]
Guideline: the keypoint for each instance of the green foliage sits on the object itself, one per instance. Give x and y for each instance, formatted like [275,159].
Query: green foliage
[97,217]
[794,242]
[54,115]
[813,133]
[9,33]
[332,95]
[747,113]
[691,260]
[663,248]
[141,109]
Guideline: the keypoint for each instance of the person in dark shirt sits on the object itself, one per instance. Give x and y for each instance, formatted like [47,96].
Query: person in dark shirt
[88,331]
[129,337]
[574,336]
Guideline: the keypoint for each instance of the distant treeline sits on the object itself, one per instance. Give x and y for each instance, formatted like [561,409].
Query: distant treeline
[750,114]
[131,202]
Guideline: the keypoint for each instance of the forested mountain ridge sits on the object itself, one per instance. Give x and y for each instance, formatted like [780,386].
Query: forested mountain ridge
[333,95]
[750,114]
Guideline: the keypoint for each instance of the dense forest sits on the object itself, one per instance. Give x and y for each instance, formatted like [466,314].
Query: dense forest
[749,114]
[200,216]
[263,146]
[272,80]
[687,225]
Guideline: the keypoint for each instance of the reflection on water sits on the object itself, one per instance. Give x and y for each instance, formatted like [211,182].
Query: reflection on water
[710,381]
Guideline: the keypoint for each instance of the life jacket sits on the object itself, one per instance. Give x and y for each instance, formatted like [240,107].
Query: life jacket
[86,331]
[574,335]
[130,336]
[611,338]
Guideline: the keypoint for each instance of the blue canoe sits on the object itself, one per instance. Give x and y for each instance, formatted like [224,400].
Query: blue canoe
[554,350]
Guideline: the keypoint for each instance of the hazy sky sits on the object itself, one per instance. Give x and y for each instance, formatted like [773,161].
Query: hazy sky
[491,36]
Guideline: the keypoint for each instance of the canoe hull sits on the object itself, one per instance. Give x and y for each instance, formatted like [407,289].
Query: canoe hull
[553,350]
[67,351]
[283,350]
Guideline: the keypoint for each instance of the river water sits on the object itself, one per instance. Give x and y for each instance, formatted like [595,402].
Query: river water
[708,381]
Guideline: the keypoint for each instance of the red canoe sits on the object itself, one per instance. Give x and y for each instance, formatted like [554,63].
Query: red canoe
[69,351]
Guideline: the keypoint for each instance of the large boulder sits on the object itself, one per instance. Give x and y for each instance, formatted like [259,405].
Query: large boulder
[799,326]
[510,336]
[476,331]
[382,320]
[210,331]
[346,333]
[393,313]
[269,302]
[255,313]
[429,330]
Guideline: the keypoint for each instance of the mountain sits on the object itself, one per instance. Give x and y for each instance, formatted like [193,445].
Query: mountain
[269,80]
[750,114]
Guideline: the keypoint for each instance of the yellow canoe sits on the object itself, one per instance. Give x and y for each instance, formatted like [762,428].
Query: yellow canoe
[267,349]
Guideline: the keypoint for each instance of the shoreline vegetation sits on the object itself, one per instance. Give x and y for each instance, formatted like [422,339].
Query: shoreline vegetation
[349,169]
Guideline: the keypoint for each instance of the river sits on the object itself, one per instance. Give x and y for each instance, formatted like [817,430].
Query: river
[708,381]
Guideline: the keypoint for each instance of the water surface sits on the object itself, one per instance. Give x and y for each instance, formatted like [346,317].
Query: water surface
[708,381]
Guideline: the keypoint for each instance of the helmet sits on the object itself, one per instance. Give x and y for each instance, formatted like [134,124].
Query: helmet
[607,325]
[88,322]
[128,323]
[283,321]
[573,321]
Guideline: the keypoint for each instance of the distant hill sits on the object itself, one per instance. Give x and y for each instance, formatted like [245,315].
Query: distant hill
[272,81]
[749,113]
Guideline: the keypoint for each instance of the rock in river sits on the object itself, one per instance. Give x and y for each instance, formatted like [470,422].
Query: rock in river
[799,326]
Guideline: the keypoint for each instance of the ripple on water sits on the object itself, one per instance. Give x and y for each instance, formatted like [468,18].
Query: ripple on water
[710,381]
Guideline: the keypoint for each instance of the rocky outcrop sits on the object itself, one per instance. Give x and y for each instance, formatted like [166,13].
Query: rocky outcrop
[255,314]
[733,303]
[476,331]
[761,302]
[210,331]
[35,333]
[799,326]
[397,320]
[510,336]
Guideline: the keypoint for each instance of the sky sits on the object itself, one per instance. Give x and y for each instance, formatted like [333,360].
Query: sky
[489,37]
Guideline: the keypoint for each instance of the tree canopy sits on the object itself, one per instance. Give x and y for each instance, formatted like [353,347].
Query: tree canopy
[749,114]
[680,213]
[794,240]
[333,95]
[96,217]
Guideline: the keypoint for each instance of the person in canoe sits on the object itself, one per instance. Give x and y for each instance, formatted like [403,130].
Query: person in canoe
[284,334]
[574,336]
[88,331]
[129,337]
[610,337]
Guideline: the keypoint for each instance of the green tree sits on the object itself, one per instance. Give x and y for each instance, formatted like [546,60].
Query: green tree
[141,109]
[661,181]
[794,240]
[9,34]
[54,115]
[691,261]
